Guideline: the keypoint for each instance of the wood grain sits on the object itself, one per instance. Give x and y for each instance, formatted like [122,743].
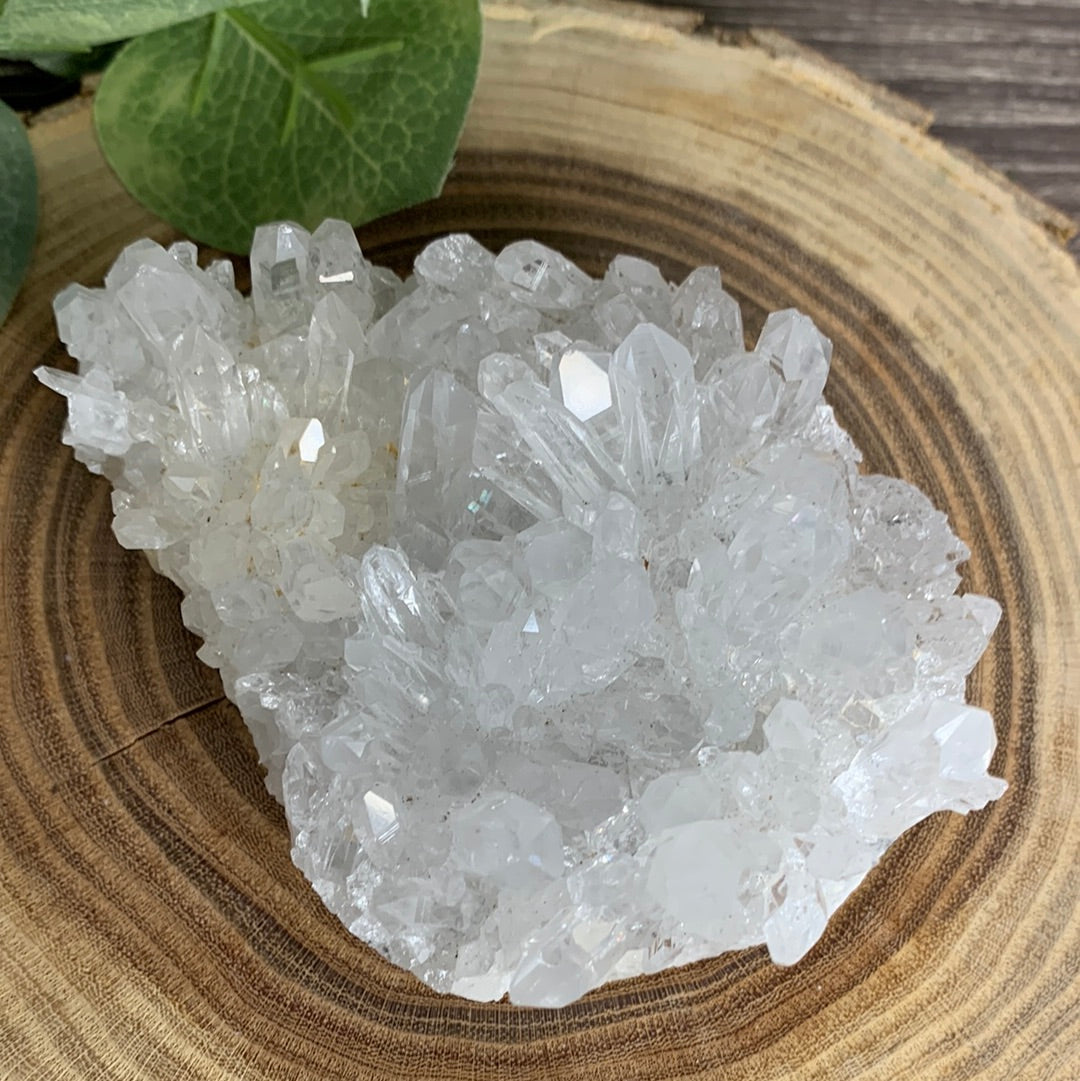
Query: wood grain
[1002,77]
[151,922]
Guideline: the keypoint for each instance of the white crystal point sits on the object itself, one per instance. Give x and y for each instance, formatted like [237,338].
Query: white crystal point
[98,414]
[97,331]
[164,297]
[281,285]
[338,267]
[457,263]
[210,395]
[541,277]
[641,296]
[652,375]
[442,496]
[570,635]
[707,318]
[800,917]
[801,353]
[569,452]
[336,344]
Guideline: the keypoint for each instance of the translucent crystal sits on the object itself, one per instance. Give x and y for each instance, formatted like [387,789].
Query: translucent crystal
[457,263]
[97,331]
[335,345]
[98,414]
[541,277]
[653,378]
[210,395]
[281,285]
[707,318]
[338,268]
[568,633]
[508,840]
[801,353]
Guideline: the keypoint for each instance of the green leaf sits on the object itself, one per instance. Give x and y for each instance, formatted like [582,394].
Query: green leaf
[75,65]
[18,206]
[58,26]
[297,109]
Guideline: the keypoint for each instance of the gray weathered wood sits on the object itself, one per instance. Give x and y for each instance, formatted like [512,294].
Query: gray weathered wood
[1002,77]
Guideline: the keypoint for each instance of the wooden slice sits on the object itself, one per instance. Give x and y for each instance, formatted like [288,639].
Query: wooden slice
[151,922]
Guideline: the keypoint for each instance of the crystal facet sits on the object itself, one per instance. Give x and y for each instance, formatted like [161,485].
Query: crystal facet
[569,633]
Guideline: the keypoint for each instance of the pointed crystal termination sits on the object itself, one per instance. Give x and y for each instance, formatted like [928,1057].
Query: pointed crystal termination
[541,277]
[653,378]
[210,395]
[281,286]
[707,318]
[98,415]
[436,482]
[338,267]
[336,343]
[569,634]
[802,354]
[457,263]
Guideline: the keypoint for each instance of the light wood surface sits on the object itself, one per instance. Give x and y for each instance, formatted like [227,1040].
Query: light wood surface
[1002,77]
[151,922]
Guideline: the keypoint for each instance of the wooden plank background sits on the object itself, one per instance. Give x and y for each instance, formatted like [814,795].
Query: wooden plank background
[1002,77]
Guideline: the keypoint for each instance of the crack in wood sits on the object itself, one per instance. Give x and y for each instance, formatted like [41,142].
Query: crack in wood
[167,723]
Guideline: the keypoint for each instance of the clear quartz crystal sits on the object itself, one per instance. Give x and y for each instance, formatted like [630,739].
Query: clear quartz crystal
[568,631]
[281,286]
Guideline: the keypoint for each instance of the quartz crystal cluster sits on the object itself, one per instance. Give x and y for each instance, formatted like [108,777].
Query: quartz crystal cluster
[571,637]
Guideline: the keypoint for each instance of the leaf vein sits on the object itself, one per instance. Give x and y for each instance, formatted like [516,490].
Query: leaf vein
[304,80]
[209,63]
